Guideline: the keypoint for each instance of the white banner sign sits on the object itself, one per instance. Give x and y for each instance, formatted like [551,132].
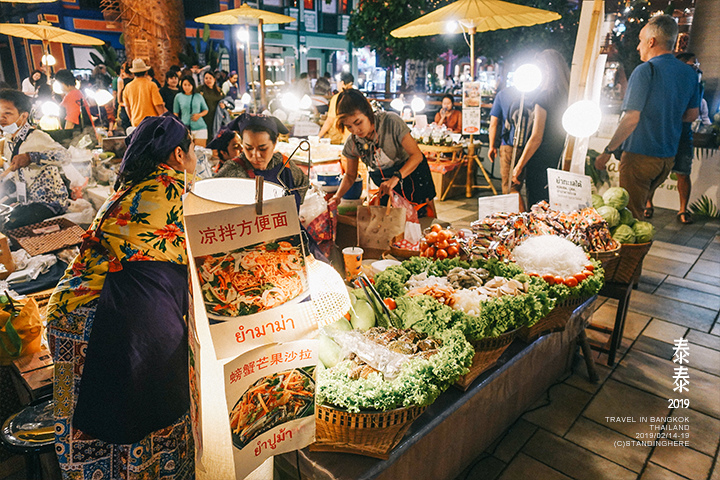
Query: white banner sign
[569,191]
[472,96]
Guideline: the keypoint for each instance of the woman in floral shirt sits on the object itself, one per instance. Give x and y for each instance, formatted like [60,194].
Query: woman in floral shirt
[117,325]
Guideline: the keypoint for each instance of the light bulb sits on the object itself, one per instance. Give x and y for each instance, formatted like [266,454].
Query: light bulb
[245,98]
[305,102]
[48,122]
[417,104]
[582,119]
[243,35]
[451,27]
[527,77]
[58,88]
[48,60]
[51,109]
[290,101]
[103,97]
[397,104]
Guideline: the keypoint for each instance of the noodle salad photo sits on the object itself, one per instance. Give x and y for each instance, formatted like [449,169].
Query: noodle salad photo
[252,279]
[272,400]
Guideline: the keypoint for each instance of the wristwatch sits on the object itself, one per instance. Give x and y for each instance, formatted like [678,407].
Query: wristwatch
[607,149]
[398,175]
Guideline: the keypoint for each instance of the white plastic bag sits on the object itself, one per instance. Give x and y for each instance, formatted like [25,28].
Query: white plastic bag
[313,206]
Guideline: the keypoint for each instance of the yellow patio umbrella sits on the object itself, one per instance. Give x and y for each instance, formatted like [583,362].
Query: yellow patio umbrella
[46,33]
[246,15]
[474,16]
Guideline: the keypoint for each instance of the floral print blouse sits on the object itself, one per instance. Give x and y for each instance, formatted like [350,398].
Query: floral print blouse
[146,225]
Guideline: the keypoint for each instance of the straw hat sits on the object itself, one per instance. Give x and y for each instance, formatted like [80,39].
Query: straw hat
[139,65]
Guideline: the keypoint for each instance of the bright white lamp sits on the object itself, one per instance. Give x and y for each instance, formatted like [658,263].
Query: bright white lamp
[417,105]
[48,122]
[57,88]
[397,104]
[527,77]
[243,35]
[48,60]
[582,118]
[103,97]
[290,101]
[305,102]
[451,27]
[51,109]
[246,99]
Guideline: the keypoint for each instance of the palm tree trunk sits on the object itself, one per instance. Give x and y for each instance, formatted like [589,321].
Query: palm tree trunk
[154,30]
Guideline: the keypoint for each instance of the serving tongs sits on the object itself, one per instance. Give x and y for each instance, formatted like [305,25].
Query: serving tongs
[374,297]
[304,145]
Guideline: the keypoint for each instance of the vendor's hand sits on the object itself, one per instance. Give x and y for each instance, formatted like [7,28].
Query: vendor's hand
[388,185]
[195,117]
[19,161]
[516,175]
[332,201]
[601,161]
[492,153]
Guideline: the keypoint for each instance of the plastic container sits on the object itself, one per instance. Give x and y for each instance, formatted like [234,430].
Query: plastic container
[355,191]
[331,180]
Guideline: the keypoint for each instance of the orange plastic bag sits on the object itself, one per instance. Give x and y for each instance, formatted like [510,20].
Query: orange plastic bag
[20,328]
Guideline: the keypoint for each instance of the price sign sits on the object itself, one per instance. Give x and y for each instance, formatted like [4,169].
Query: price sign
[472,94]
[568,191]
[509,203]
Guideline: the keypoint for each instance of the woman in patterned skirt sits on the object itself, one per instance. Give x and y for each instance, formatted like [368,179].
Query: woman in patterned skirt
[117,323]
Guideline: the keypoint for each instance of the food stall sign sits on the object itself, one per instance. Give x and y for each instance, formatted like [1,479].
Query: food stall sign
[509,203]
[569,191]
[472,94]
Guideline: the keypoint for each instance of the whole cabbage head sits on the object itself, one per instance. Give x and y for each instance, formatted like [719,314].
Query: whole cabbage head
[624,234]
[644,232]
[616,197]
[610,215]
[597,201]
[626,217]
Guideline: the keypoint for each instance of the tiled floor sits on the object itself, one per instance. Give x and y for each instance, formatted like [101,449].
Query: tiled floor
[567,435]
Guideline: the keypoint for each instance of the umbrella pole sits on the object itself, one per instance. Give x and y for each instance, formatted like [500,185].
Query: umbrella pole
[251,67]
[471,146]
[261,47]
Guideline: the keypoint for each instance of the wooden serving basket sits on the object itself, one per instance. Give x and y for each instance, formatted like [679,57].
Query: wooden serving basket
[487,352]
[373,434]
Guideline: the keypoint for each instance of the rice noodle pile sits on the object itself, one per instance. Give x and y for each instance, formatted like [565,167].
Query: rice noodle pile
[550,254]
[469,301]
[423,280]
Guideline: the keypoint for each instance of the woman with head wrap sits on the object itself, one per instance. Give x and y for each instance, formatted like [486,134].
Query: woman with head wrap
[258,157]
[117,322]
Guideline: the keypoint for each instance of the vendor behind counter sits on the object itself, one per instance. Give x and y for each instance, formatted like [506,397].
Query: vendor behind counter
[38,184]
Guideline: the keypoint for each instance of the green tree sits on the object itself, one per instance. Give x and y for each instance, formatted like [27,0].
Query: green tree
[634,20]
[373,20]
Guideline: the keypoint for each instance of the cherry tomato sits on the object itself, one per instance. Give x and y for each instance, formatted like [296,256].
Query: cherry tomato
[390,303]
[441,253]
[452,250]
[461,234]
[533,274]
[549,278]
[431,237]
[435,228]
[442,244]
[452,241]
[559,280]
[590,267]
[580,277]
[587,273]
[430,252]
[571,282]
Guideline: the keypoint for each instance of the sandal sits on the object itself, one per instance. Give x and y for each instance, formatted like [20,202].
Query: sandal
[684,217]
[648,212]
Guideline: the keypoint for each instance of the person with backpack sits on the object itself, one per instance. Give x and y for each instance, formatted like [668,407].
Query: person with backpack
[505,118]
[191,107]
[544,148]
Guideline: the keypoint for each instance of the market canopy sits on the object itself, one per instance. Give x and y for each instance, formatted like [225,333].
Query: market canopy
[244,15]
[477,15]
[45,32]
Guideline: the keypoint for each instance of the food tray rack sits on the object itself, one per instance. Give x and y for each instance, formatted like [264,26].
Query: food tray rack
[373,434]
[36,242]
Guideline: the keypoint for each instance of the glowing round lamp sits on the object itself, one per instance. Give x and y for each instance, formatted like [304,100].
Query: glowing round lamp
[305,102]
[582,118]
[243,35]
[48,60]
[48,122]
[527,77]
[246,99]
[57,88]
[346,68]
[397,104]
[50,109]
[417,105]
[103,97]
[290,102]
[451,27]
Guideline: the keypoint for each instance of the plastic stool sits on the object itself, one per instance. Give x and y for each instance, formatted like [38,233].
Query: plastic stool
[31,432]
